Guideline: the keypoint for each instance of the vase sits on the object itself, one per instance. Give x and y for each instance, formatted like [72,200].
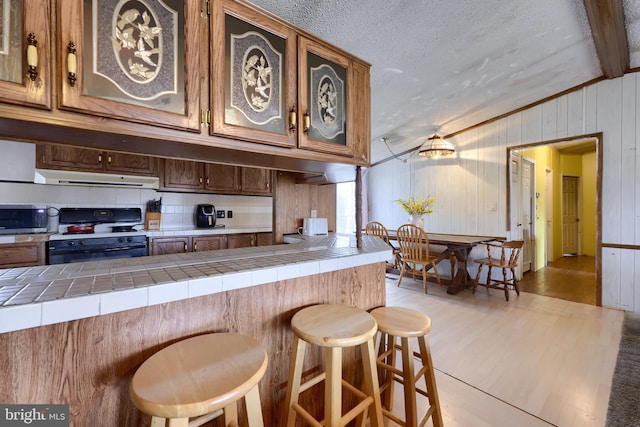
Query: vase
[416,220]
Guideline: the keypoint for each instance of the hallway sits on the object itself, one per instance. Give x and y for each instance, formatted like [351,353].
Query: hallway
[570,278]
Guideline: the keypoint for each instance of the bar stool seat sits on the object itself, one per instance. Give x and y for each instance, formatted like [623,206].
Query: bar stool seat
[334,327]
[406,324]
[201,377]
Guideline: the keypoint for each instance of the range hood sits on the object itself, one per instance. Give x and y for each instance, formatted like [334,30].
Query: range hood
[50,176]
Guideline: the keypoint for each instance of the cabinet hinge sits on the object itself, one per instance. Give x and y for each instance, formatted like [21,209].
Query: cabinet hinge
[204,8]
[205,117]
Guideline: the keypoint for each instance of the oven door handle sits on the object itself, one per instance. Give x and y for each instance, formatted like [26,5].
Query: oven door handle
[54,251]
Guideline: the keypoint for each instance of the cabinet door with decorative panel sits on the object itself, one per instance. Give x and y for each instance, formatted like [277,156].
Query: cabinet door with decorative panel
[324,78]
[25,52]
[253,79]
[132,60]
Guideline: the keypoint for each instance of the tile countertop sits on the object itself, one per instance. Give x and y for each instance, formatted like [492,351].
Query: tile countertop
[43,295]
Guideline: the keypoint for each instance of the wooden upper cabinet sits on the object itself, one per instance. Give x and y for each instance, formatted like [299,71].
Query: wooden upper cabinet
[272,84]
[325,79]
[84,159]
[131,60]
[222,178]
[228,179]
[201,177]
[256,181]
[183,174]
[253,76]
[131,163]
[25,52]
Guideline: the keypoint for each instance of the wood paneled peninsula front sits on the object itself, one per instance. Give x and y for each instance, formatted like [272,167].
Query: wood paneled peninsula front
[82,347]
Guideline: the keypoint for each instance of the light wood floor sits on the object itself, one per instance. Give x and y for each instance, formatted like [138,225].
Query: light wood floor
[572,278]
[532,361]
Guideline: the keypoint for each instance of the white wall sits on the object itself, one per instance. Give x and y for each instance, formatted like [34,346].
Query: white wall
[468,185]
[178,209]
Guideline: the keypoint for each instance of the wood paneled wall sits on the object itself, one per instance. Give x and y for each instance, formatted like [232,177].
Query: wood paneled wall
[89,363]
[293,202]
[467,186]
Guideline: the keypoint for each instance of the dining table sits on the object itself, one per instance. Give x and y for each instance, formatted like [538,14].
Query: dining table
[458,245]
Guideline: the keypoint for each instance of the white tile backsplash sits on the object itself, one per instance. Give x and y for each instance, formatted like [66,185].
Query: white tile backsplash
[178,210]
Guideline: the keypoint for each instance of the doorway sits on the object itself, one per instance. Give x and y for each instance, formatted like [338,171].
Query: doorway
[556,216]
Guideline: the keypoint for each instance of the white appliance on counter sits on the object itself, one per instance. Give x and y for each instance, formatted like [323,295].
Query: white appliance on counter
[315,226]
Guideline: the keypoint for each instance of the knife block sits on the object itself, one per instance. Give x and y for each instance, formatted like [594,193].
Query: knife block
[152,220]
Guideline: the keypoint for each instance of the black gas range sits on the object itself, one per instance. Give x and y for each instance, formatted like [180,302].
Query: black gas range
[90,234]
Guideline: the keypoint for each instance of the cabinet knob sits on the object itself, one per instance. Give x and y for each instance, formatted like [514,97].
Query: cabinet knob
[32,56]
[99,158]
[72,64]
[185,247]
[195,247]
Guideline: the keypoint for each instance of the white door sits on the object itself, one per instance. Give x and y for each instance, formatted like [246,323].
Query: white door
[528,215]
[570,217]
[515,201]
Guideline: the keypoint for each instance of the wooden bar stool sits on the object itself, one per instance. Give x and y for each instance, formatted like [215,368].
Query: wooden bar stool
[334,327]
[406,324]
[201,378]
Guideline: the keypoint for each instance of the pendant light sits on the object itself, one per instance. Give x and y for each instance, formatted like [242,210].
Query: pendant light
[436,147]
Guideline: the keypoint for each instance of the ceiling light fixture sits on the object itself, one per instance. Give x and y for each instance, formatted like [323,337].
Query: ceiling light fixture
[436,147]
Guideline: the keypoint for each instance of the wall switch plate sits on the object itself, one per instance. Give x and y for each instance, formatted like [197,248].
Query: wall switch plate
[219,214]
[229,214]
[314,213]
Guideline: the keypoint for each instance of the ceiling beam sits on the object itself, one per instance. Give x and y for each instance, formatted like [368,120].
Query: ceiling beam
[606,18]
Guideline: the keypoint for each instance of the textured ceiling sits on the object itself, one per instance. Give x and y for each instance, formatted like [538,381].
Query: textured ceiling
[456,63]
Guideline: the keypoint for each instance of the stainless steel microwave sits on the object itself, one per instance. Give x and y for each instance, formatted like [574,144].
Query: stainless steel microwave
[21,219]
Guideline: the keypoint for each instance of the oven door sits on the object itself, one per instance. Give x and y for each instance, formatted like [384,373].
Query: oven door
[61,252]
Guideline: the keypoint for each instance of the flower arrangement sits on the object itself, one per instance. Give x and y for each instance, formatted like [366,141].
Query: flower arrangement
[417,207]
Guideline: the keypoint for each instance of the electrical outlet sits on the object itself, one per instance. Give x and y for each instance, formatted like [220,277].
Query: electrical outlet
[314,213]
[229,214]
[219,214]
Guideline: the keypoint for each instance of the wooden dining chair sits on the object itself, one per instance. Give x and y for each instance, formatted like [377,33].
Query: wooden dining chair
[414,253]
[502,255]
[375,228]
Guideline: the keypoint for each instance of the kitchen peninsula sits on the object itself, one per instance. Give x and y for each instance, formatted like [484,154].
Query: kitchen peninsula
[83,347]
